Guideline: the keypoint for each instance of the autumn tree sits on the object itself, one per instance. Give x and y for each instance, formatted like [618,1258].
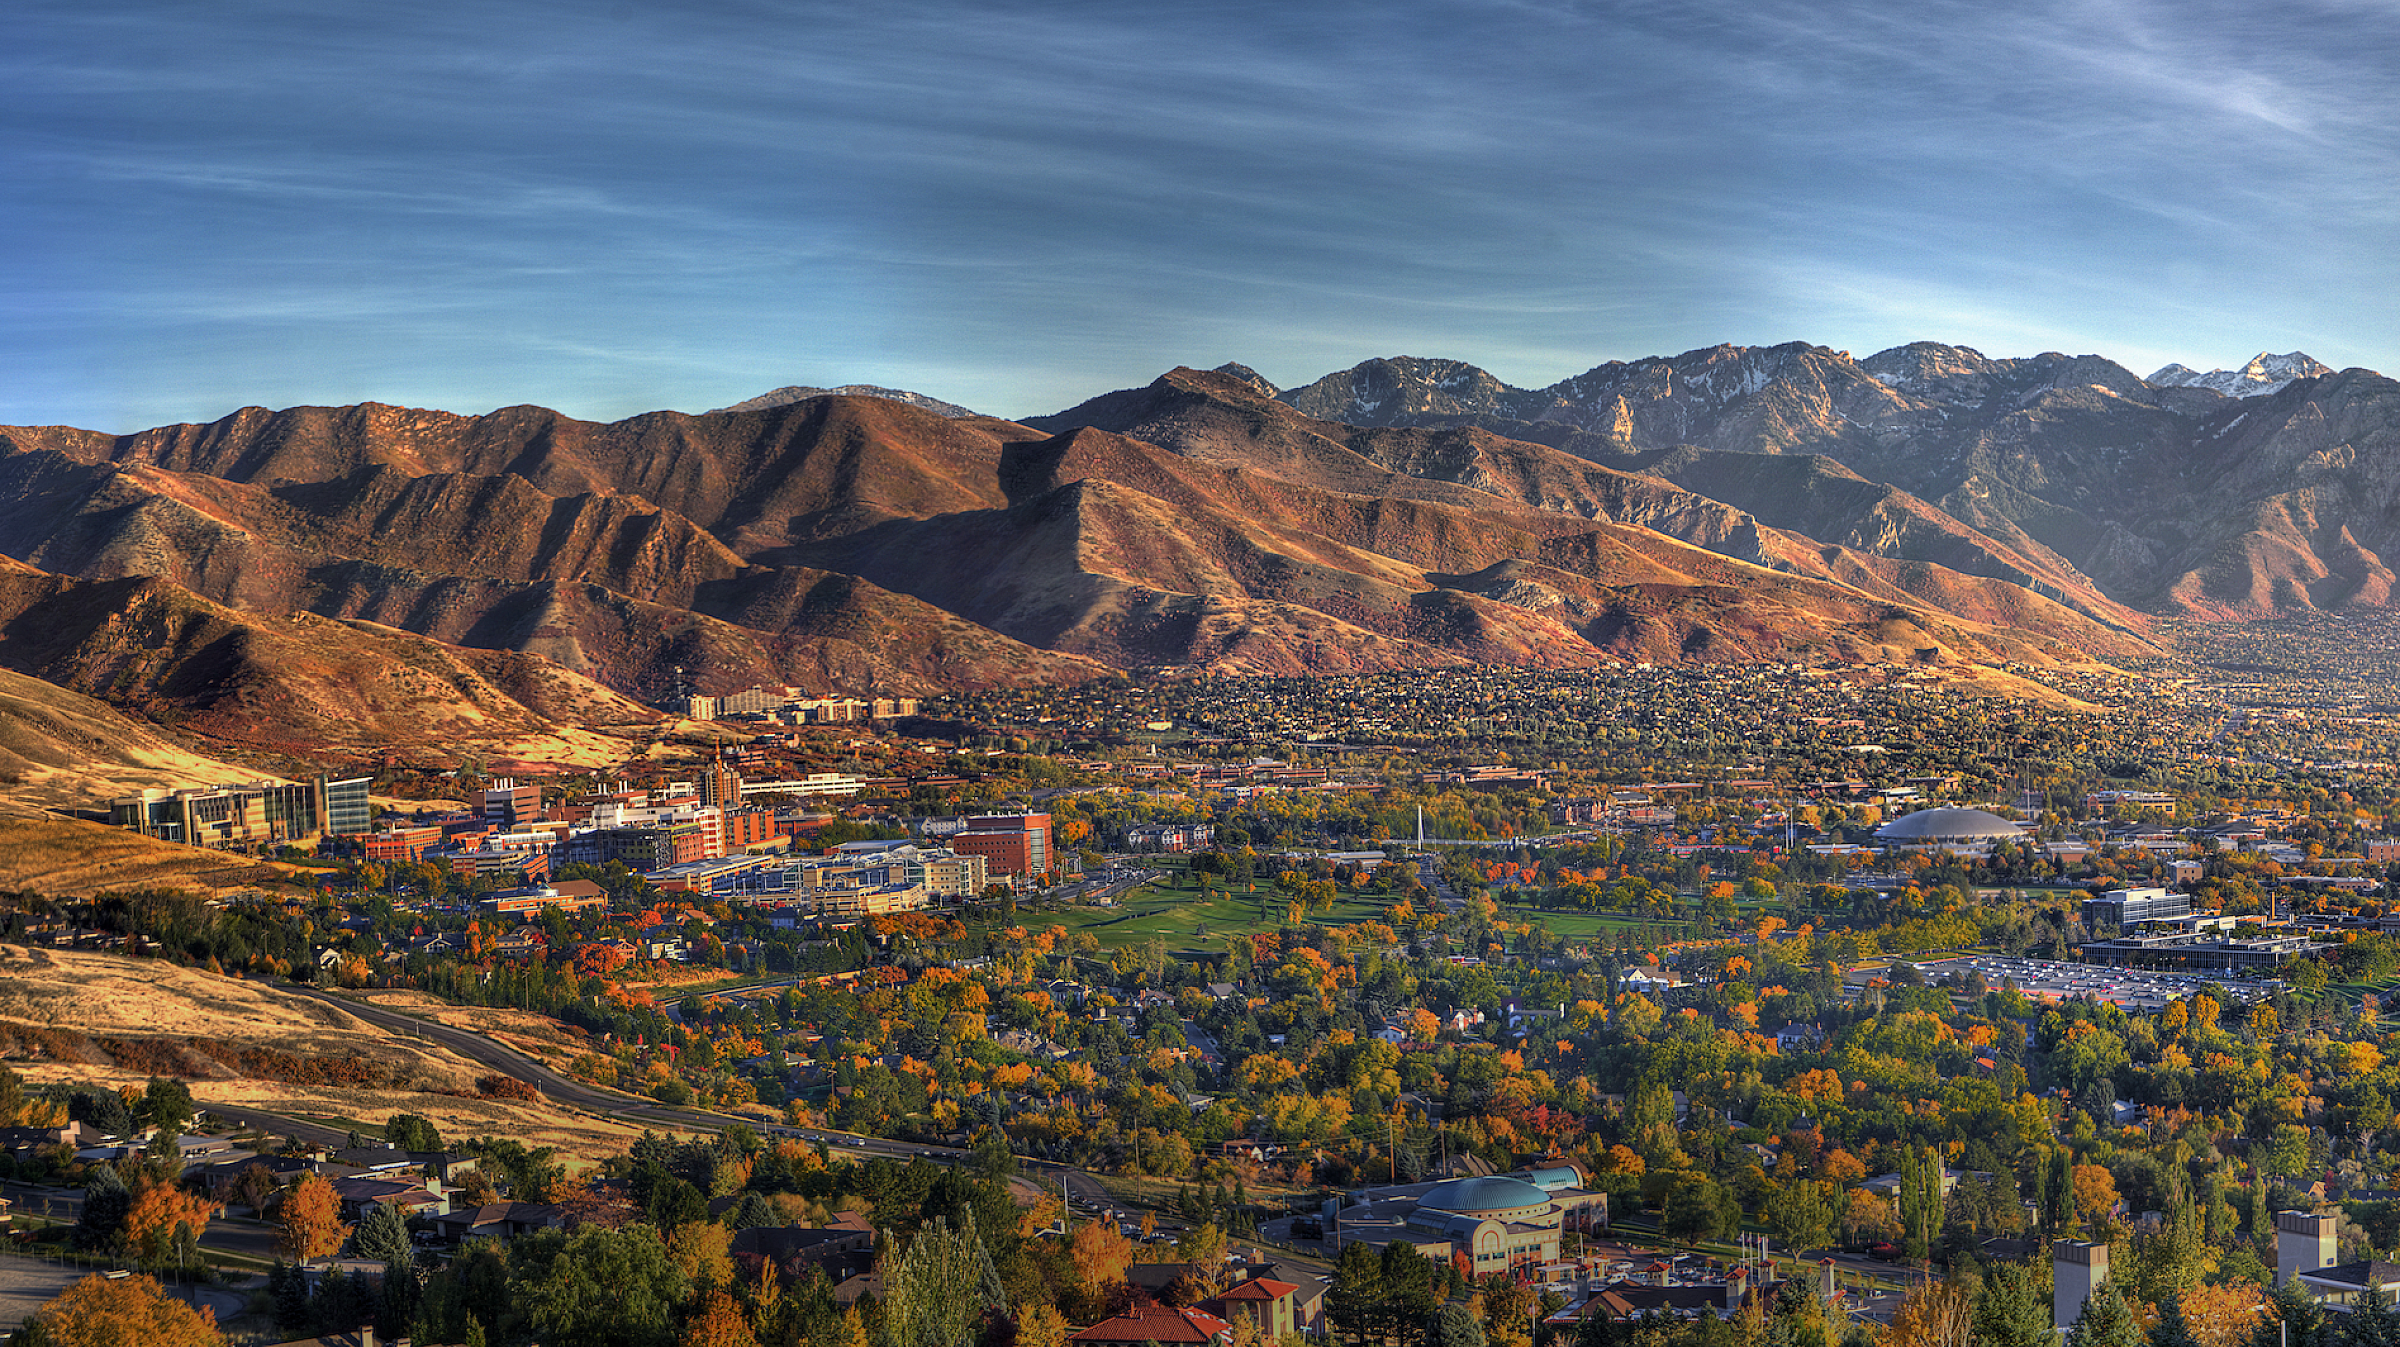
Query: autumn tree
[703,1253]
[106,1312]
[1041,1326]
[718,1323]
[1937,1315]
[1099,1254]
[2221,1316]
[312,1220]
[164,1222]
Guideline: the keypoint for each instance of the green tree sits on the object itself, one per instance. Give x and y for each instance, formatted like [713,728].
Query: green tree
[1695,1211]
[606,1288]
[2106,1321]
[1801,1215]
[1920,1200]
[106,1204]
[1452,1326]
[410,1132]
[1407,1292]
[937,1290]
[2012,1308]
[1357,1290]
[167,1105]
[383,1236]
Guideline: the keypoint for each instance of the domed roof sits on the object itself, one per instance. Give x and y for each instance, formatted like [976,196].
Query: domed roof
[1483,1194]
[1948,825]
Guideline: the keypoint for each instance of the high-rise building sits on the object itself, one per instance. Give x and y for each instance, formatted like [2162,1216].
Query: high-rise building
[1013,845]
[510,805]
[720,786]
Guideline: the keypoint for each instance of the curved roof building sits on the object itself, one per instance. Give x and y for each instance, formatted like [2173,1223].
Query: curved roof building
[1947,827]
[1493,1198]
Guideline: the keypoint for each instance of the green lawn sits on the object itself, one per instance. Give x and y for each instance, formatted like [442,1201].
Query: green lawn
[1176,909]
[2350,992]
[1577,925]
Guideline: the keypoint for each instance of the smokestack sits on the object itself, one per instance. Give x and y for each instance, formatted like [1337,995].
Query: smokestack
[2075,1269]
[2304,1242]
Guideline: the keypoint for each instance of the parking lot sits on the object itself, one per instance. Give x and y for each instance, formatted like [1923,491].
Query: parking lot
[2131,988]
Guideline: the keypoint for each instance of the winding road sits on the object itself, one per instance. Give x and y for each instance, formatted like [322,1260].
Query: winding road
[625,1107]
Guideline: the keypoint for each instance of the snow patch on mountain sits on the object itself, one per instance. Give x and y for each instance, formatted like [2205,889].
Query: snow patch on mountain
[2263,375]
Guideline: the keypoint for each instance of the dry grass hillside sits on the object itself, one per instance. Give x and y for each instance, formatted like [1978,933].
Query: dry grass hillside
[106,1019]
[63,749]
[44,853]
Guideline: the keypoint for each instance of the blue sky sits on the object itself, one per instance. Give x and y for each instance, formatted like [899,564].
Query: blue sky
[610,206]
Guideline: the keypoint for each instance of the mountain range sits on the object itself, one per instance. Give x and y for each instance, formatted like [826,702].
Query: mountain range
[356,576]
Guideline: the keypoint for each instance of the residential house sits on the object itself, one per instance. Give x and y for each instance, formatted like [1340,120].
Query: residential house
[1157,1325]
[498,1220]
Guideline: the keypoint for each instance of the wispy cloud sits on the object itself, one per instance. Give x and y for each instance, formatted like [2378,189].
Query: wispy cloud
[603,207]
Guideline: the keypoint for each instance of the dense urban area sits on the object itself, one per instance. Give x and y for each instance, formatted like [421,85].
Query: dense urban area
[1745,1005]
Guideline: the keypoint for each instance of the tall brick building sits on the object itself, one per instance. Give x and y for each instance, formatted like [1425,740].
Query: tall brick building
[1015,846]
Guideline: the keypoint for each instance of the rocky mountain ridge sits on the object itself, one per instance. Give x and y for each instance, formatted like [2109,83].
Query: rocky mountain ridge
[791,393]
[1926,504]
[2264,374]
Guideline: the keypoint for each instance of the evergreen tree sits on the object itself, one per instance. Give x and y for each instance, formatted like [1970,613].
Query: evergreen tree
[1357,1290]
[383,1237]
[402,1294]
[2171,1330]
[2292,1318]
[1452,1326]
[288,1287]
[2374,1324]
[2012,1308]
[753,1212]
[2106,1321]
[106,1203]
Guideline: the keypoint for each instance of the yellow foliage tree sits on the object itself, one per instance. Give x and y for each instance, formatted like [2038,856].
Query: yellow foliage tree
[100,1312]
[703,1251]
[2221,1316]
[1041,1326]
[1939,1315]
[2095,1190]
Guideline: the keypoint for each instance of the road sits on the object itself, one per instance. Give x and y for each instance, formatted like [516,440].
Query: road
[631,1108]
[257,1239]
[240,1236]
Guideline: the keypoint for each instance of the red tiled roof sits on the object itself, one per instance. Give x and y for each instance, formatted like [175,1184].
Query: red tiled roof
[1260,1288]
[1151,1323]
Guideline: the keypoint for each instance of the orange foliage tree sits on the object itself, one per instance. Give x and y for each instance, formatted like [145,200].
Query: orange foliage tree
[99,1310]
[158,1208]
[718,1324]
[312,1220]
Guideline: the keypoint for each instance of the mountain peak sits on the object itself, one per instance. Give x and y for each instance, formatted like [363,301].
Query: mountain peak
[1237,370]
[2264,374]
[791,393]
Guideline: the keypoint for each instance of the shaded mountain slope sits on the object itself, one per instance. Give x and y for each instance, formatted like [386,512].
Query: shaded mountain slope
[299,684]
